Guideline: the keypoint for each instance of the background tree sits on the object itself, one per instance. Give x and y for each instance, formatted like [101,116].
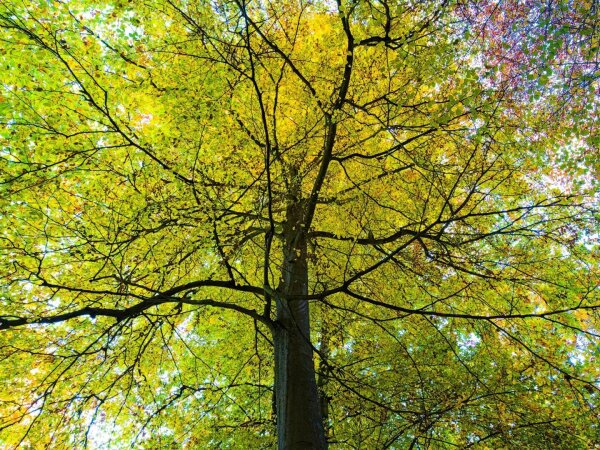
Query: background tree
[182,181]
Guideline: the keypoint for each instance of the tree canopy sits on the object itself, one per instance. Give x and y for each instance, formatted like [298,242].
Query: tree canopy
[249,224]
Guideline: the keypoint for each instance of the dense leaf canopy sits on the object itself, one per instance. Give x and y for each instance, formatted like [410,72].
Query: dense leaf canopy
[441,159]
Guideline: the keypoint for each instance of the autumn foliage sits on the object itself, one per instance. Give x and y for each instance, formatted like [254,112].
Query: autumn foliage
[303,224]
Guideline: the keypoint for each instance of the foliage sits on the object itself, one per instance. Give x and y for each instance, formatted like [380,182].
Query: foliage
[443,155]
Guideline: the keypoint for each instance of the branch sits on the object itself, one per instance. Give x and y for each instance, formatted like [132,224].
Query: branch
[424,312]
[133,311]
[167,296]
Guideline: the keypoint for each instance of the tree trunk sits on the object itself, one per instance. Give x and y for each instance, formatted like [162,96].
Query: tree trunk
[299,421]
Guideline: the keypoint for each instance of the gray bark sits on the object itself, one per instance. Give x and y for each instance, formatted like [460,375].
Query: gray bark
[299,421]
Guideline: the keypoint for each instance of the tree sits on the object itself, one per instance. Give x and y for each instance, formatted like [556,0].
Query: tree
[201,200]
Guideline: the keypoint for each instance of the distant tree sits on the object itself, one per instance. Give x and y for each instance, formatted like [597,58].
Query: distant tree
[362,224]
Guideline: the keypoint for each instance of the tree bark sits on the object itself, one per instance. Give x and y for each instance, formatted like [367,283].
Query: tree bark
[299,421]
